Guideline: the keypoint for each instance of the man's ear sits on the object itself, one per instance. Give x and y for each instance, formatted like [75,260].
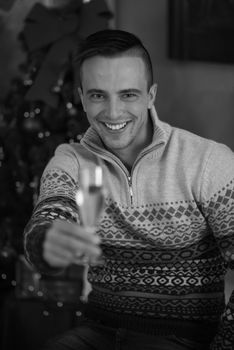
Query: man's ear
[152,95]
[81,97]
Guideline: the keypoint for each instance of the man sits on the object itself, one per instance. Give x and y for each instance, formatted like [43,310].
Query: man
[167,233]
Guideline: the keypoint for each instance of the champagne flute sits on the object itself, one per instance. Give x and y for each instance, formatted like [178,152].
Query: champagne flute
[90,196]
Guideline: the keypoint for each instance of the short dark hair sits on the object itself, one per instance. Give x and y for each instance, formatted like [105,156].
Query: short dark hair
[113,43]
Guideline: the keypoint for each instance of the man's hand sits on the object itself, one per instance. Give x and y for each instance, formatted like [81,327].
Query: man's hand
[67,243]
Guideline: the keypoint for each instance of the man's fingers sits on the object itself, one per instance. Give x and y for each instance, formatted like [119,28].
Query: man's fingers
[58,253]
[79,232]
[66,243]
[70,243]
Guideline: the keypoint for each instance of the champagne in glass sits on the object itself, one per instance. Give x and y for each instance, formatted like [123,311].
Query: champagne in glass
[90,196]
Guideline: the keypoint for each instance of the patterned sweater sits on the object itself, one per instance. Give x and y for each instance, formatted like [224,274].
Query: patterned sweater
[167,232]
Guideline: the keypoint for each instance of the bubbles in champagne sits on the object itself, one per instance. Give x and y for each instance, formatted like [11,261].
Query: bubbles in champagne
[90,196]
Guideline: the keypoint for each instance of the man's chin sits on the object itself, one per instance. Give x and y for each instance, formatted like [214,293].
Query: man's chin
[115,147]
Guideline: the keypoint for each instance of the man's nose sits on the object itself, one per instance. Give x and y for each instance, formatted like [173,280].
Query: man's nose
[114,108]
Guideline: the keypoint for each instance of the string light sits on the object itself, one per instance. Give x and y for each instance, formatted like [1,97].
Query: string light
[31,288]
[40,135]
[44,134]
[69,105]
[37,110]
[26,114]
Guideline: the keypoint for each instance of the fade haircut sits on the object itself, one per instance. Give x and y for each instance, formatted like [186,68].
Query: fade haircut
[113,43]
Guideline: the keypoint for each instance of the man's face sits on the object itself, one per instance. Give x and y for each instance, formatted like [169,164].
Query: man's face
[116,99]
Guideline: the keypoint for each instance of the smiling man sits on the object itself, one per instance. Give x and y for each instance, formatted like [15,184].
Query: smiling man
[117,93]
[117,97]
[166,236]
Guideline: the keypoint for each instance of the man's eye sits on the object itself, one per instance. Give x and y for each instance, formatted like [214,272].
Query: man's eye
[129,96]
[97,97]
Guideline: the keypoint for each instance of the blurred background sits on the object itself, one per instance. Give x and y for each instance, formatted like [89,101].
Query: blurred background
[191,45]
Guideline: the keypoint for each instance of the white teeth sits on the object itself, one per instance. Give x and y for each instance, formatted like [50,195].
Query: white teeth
[116,126]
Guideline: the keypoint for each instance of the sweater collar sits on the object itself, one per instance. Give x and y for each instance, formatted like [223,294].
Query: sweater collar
[161,130]
[161,133]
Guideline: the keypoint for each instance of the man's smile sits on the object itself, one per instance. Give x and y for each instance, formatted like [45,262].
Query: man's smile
[115,127]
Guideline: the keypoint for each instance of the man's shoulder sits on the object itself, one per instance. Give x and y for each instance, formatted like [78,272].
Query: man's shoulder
[76,153]
[73,149]
[192,146]
[185,141]
[184,135]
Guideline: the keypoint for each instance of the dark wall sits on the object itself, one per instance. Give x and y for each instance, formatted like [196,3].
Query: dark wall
[198,96]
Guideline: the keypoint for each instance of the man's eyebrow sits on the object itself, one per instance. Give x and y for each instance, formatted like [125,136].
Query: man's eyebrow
[124,91]
[95,91]
[127,91]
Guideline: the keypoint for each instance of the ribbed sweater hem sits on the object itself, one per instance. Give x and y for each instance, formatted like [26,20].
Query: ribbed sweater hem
[204,331]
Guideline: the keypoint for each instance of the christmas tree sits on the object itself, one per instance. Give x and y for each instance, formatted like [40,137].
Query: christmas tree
[40,111]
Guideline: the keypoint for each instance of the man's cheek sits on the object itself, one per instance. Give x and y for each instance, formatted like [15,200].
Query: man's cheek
[95,111]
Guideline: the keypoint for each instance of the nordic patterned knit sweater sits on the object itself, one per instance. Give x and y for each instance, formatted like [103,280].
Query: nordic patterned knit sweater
[167,232]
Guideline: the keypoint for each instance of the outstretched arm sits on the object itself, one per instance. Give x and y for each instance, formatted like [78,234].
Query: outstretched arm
[53,237]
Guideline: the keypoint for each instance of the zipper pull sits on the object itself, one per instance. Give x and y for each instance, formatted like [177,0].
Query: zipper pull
[130,189]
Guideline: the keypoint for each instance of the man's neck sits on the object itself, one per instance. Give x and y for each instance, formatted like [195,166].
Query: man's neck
[128,156]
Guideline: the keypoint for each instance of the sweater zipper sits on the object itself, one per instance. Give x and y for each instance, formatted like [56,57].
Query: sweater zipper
[130,189]
[118,162]
[129,177]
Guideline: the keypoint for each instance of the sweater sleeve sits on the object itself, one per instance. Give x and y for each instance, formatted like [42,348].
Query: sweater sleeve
[217,194]
[56,199]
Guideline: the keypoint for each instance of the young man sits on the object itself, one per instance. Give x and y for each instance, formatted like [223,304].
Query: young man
[167,233]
